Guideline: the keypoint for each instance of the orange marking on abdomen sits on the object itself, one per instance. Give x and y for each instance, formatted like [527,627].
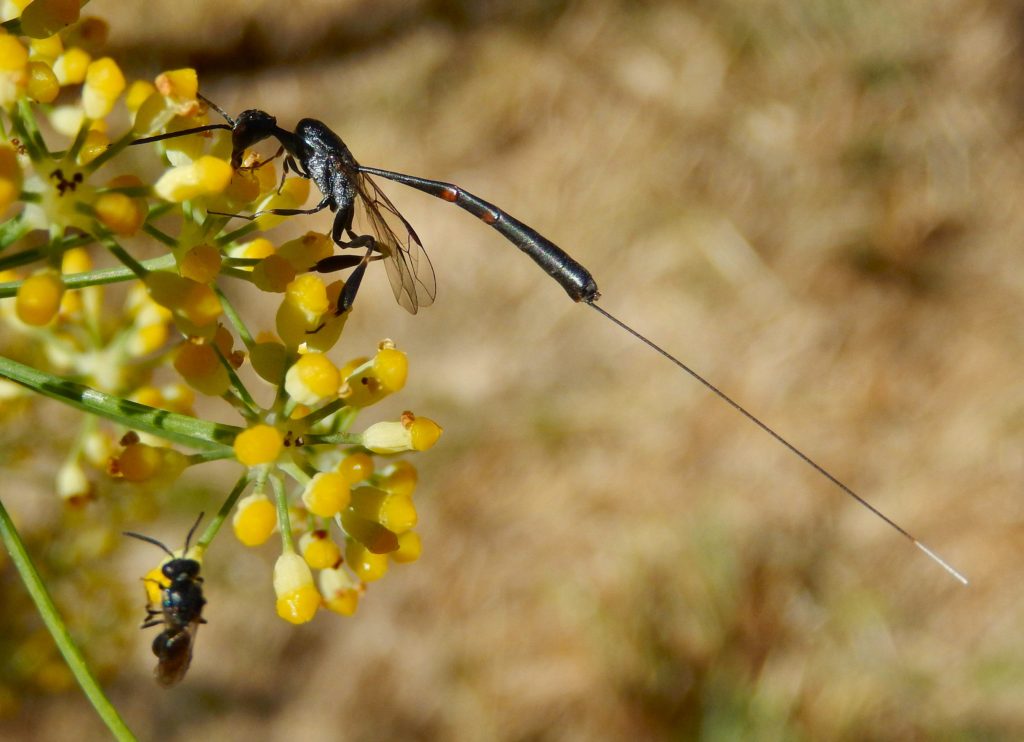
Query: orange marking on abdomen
[450,194]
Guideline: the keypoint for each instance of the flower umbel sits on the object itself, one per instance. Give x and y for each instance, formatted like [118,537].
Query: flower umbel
[78,214]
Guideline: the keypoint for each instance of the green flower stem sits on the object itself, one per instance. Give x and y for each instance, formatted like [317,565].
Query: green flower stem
[159,236]
[13,229]
[236,273]
[112,151]
[58,630]
[249,412]
[159,209]
[121,254]
[328,409]
[76,146]
[25,257]
[335,439]
[242,262]
[235,319]
[237,234]
[225,510]
[25,126]
[95,278]
[171,426]
[283,520]
[295,471]
[202,457]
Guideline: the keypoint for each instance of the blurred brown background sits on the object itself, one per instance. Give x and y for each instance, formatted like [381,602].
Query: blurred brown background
[816,204]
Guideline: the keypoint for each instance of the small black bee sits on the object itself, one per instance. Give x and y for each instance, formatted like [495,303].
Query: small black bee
[180,612]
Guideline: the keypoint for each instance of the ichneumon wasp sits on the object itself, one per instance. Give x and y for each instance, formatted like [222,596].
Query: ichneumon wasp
[314,151]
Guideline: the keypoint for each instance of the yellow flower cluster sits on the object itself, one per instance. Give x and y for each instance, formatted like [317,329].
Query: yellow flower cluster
[372,511]
[308,473]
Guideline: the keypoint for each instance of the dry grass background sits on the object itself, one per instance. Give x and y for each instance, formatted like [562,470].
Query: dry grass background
[814,202]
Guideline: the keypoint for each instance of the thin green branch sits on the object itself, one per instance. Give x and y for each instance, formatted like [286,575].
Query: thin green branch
[25,125]
[58,630]
[159,236]
[121,254]
[334,439]
[76,146]
[13,229]
[238,234]
[283,520]
[235,319]
[225,510]
[96,278]
[328,409]
[171,426]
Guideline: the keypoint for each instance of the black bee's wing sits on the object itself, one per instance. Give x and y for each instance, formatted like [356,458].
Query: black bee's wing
[408,267]
[174,652]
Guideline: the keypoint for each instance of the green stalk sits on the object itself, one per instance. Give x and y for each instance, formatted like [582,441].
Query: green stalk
[225,510]
[58,630]
[284,522]
[171,426]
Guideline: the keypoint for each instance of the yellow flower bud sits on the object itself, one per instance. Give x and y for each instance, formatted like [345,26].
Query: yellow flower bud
[304,252]
[42,83]
[312,379]
[44,18]
[46,50]
[319,551]
[73,486]
[366,565]
[356,467]
[39,298]
[201,264]
[13,55]
[400,478]
[326,495]
[258,445]
[371,534]
[269,359]
[297,597]
[14,75]
[424,433]
[273,274]
[182,84]
[121,214]
[395,512]
[409,548]
[137,94]
[200,367]
[302,310]
[376,379]
[204,177]
[339,591]
[10,176]
[138,462]
[255,519]
[71,66]
[293,194]
[96,143]
[104,82]
[260,247]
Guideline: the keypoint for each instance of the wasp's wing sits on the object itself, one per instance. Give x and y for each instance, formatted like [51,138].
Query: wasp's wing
[409,269]
[174,652]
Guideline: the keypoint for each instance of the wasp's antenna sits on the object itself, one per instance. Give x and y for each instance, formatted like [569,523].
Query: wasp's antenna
[149,540]
[191,531]
[195,130]
[793,449]
[216,108]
